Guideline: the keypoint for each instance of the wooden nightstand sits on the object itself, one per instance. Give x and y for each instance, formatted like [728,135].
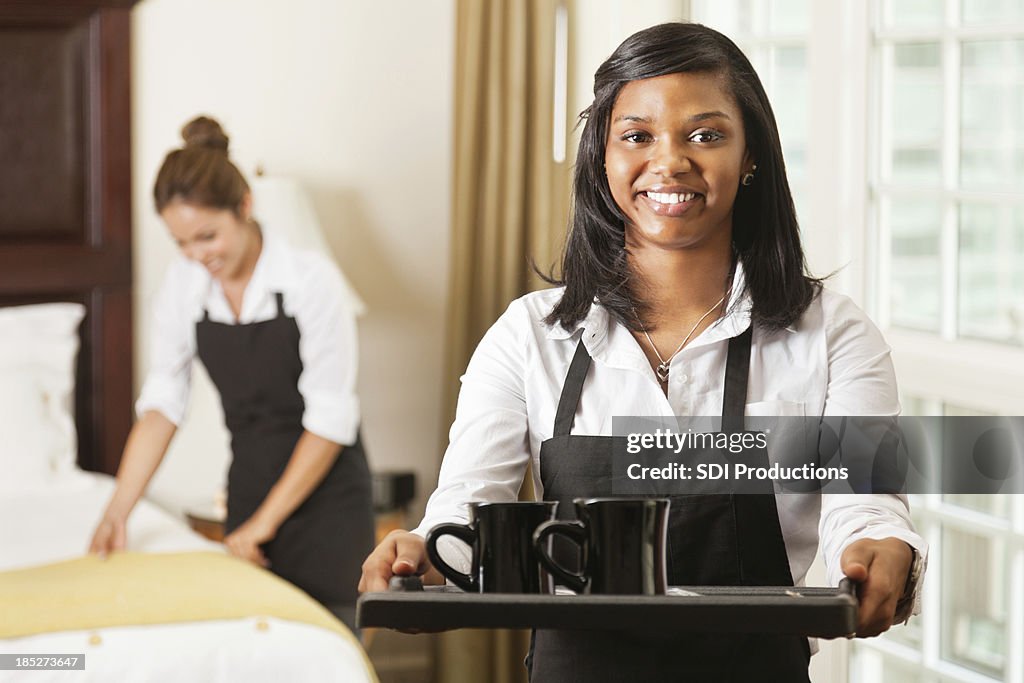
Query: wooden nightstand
[206,524]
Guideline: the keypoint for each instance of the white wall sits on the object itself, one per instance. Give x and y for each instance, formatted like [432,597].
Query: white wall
[354,99]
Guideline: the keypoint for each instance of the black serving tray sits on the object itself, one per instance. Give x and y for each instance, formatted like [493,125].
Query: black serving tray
[821,612]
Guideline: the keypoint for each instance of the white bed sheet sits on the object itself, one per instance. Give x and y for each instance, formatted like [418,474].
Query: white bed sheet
[40,527]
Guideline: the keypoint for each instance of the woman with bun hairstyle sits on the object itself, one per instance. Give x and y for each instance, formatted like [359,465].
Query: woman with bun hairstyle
[272,327]
[683,292]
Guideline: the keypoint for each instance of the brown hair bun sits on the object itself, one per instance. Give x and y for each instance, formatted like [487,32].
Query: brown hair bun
[203,131]
[201,173]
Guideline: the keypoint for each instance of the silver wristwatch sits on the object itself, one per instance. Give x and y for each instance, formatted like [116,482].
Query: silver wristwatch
[905,606]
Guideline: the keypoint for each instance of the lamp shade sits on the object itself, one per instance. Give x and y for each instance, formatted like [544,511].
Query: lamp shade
[283,206]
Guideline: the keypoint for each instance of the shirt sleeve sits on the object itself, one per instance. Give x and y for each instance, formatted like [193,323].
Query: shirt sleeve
[861,382]
[171,350]
[489,448]
[329,351]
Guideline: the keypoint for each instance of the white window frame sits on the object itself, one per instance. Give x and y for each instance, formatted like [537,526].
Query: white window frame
[987,376]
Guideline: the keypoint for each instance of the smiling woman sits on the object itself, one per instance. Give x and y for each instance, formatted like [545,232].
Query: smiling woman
[683,228]
[272,327]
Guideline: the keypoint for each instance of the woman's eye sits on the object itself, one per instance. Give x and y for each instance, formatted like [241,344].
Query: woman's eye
[636,137]
[706,136]
[207,236]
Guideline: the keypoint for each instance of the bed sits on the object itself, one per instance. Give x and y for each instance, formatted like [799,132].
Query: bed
[46,583]
[174,606]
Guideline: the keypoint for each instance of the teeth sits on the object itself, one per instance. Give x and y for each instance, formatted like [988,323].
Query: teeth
[671,197]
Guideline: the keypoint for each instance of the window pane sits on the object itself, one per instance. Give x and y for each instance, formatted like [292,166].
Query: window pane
[915,114]
[872,666]
[997,505]
[913,13]
[916,285]
[991,281]
[991,11]
[790,16]
[750,19]
[789,98]
[908,634]
[991,144]
[722,16]
[974,601]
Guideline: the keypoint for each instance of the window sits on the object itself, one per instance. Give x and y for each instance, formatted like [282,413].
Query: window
[950,167]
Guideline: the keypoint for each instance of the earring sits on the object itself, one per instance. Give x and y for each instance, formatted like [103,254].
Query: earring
[748,178]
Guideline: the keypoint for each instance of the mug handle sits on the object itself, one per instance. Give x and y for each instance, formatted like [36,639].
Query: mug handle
[462,532]
[576,532]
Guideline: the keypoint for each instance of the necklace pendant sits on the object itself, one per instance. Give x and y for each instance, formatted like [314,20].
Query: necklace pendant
[662,373]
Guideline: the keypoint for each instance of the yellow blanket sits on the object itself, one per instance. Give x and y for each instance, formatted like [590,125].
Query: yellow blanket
[131,588]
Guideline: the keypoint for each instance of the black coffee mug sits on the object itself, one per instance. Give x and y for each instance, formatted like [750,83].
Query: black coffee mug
[621,542]
[504,555]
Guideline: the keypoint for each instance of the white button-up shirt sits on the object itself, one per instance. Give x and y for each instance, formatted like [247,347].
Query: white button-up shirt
[833,361]
[313,293]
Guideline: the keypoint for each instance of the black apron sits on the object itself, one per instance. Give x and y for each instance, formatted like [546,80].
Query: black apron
[321,546]
[712,540]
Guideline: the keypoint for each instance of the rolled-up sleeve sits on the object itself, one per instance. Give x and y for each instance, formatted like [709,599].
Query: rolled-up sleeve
[861,382]
[329,351]
[489,449]
[171,350]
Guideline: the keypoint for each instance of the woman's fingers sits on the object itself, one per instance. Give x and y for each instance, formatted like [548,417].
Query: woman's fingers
[880,568]
[108,537]
[400,553]
[245,548]
[411,555]
[100,540]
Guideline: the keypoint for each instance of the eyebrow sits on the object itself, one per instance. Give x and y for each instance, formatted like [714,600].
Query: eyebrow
[703,116]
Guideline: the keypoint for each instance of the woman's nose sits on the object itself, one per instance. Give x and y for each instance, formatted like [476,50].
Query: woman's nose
[669,158]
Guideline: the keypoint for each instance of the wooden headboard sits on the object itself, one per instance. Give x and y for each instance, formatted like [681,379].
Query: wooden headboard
[65,193]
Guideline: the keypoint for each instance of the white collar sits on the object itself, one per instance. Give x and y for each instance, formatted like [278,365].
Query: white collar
[598,322]
[274,272]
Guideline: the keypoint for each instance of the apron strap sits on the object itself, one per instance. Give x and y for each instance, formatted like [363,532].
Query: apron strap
[737,366]
[571,391]
[280,304]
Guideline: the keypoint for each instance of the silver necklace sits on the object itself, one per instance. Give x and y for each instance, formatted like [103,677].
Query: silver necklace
[663,366]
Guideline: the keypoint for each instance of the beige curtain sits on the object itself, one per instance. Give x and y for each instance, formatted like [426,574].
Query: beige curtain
[510,203]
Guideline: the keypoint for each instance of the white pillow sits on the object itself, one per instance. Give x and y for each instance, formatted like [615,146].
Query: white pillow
[38,346]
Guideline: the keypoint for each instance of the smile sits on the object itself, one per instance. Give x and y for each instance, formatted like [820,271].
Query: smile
[670,203]
[670,198]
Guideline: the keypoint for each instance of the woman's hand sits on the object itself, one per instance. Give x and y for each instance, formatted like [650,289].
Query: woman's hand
[400,554]
[245,541]
[109,536]
[880,569]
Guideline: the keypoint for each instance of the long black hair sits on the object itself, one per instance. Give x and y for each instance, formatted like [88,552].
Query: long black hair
[766,237]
